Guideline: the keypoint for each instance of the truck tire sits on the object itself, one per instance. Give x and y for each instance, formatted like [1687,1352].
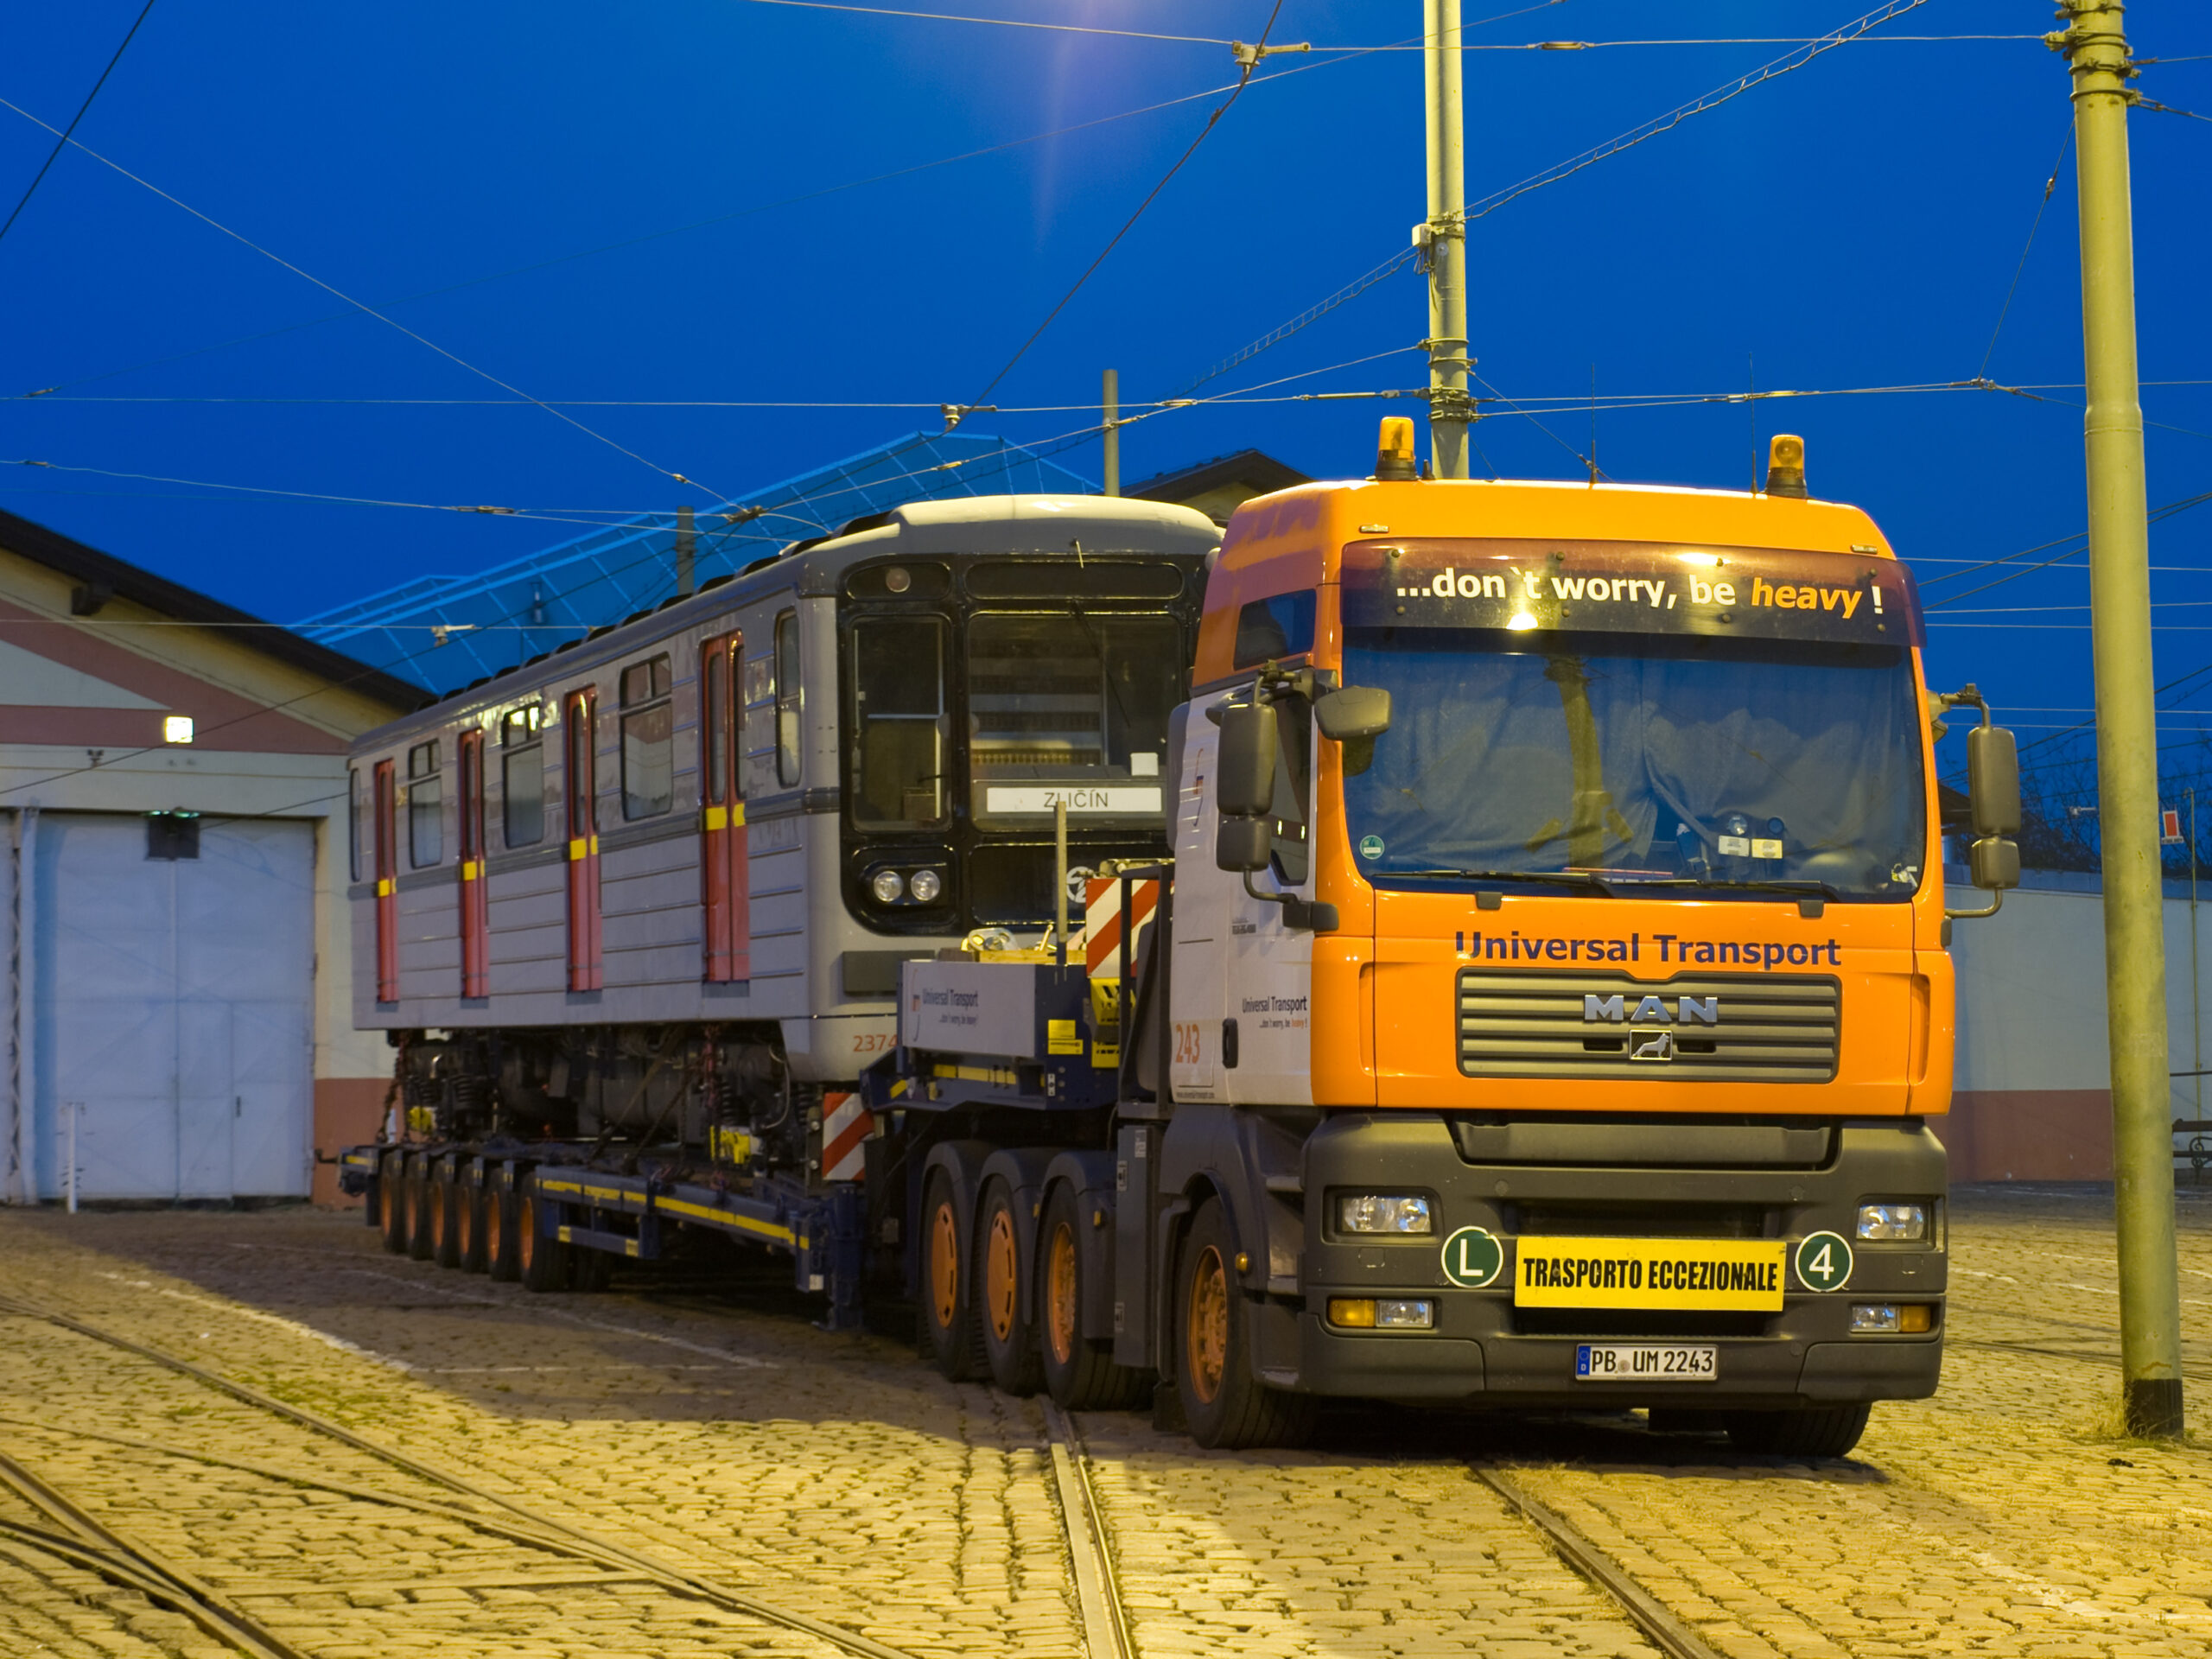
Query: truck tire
[422,1243]
[468,1217]
[948,1313]
[1080,1375]
[445,1231]
[1814,1432]
[1226,1406]
[392,1201]
[499,1247]
[1008,1305]
[541,1263]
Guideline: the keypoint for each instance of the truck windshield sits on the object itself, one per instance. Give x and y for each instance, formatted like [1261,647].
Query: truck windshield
[1616,759]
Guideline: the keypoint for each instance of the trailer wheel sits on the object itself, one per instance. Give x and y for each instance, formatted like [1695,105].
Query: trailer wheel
[392,1201]
[500,1246]
[947,1307]
[543,1262]
[1817,1431]
[1009,1304]
[445,1231]
[421,1241]
[468,1216]
[1225,1403]
[1080,1375]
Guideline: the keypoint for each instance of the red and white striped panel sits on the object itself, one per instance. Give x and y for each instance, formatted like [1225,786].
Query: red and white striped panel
[845,1125]
[1102,921]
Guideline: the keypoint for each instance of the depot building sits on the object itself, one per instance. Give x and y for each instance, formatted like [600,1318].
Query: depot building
[176,1007]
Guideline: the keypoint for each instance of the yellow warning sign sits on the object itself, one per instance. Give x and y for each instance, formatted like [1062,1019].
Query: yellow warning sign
[1743,1275]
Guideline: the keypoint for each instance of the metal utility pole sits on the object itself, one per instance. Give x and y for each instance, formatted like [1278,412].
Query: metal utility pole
[686,547]
[1110,403]
[2128,760]
[1444,238]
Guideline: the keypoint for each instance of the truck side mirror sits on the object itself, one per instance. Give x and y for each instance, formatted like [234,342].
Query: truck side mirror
[1995,863]
[1244,844]
[1354,711]
[1245,769]
[1994,784]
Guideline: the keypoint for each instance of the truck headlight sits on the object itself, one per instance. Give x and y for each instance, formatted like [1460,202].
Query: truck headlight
[1383,1212]
[1893,1221]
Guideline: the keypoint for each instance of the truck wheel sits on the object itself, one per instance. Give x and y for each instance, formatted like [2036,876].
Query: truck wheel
[468,1210]
[1080,1375]
[542,1262]
[422,1243]
[373,1198]
[1226,1406]
[1817,1431]
[1009,1319]
[948,1310]
[392,1201]
[445,1231]
[499,1247]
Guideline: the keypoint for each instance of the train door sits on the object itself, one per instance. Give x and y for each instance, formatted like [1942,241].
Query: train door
[580,785]
[475,902]
[387,853]
[725,887]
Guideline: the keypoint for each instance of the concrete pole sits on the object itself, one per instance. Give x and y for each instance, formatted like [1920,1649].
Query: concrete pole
[2127,760]
[1448,410]
[1110,405]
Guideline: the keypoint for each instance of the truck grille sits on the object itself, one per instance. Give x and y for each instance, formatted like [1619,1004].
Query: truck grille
[1767,1030]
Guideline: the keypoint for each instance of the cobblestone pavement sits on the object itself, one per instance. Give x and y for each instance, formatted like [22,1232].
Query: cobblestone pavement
[713,1428]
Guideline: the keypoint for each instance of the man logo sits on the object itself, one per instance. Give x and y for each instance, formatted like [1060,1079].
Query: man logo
[1613,1010]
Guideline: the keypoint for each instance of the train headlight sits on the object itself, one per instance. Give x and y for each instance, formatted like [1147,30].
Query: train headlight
[888,886]
[1380,1212]
[925,885]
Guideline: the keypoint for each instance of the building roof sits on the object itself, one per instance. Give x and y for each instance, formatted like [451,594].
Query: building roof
[500,617]
[1248,472]
[101,576]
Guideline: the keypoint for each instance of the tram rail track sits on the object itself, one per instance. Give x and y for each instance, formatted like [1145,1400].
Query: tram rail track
[220,1615]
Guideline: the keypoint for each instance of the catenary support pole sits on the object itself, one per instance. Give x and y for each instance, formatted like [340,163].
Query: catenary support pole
[1110,409]
[2127,760]
[686,545]
[1446,232]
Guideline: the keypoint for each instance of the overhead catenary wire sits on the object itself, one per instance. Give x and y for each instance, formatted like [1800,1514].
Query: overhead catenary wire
[62,142]
[2034,225]
[367,310]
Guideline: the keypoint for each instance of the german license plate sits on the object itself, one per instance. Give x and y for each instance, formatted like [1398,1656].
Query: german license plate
[1646,1362]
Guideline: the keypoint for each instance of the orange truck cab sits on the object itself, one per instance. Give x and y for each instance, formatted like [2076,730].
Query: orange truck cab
[1557,1005]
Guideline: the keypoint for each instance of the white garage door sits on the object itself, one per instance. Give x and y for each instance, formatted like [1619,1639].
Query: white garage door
[173,1002]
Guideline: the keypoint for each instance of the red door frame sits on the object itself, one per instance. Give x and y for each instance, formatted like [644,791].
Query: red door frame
[725,882]
[476,892]
[386,810]
[579,773]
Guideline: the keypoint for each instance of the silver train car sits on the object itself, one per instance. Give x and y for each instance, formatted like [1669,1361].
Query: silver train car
[654,888]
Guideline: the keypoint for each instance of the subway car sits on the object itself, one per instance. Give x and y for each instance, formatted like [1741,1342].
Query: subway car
[647,896]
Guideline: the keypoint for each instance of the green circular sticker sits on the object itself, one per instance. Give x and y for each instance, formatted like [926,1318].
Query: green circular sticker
[1823,1261]
[1472,1258]
[1370,846]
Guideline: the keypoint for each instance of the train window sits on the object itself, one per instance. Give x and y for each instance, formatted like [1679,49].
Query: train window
[425,806]
[790,698]
[522,776]
[1071,693]
[1276,627]
[648,740]
[899,709]
[720,721]
[356,810]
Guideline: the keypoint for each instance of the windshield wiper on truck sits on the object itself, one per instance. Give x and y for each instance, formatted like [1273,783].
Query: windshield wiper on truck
[1795,885]
[1556,878]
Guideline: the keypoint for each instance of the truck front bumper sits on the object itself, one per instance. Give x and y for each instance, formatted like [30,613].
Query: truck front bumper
[1483,1346]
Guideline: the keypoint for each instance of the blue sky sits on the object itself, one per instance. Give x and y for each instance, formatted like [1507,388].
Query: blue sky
[1854,224]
